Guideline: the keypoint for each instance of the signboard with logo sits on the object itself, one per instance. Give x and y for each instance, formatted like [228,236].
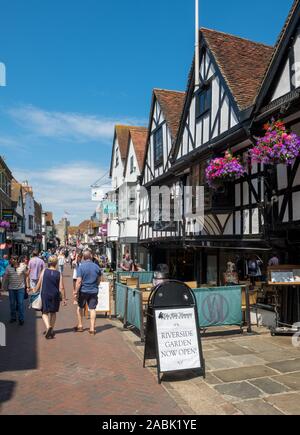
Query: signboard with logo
[177,339]
[109,207]
[219,306]
[173,331]
[97,194]
[103,230]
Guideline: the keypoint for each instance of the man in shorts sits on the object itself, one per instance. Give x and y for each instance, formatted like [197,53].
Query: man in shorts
[87,288]
[35,267]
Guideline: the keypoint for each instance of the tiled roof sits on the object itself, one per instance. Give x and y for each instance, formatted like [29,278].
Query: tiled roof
[16,189]
[122,132]
[171,103]
[139,139]
[49,216]
[242,63]
[72,231]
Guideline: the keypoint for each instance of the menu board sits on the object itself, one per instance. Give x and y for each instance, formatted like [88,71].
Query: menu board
[285,276]
[103,298]
[282,276]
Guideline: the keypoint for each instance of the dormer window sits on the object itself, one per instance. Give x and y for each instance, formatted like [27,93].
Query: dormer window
[158,147]
[204,100]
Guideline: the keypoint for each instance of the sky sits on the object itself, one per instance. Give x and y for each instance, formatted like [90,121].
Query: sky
[75,68]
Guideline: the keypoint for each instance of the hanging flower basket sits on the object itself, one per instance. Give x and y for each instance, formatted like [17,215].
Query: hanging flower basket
[223,170]
[5,225]
[278,145]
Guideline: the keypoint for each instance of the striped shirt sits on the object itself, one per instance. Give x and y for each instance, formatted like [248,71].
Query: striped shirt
[16,278]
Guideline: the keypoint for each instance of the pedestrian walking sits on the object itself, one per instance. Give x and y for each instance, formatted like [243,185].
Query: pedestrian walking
[35,268]
[16,281]
[77,264]
[51,286]
[61,262]
[87,287]
[3,266]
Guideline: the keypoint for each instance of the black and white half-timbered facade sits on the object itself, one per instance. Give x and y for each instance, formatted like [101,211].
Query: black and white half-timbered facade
[279,98]
[165,115]
[216,116]
[243,85]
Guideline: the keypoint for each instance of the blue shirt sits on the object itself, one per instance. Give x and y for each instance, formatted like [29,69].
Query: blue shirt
[90,273]
[3,266]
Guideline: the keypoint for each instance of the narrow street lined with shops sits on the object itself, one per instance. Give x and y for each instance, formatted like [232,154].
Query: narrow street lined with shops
[150,215]
[103,375]
[74,373]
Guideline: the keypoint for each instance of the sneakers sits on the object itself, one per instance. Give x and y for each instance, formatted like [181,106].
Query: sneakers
[49,334]
[21,322]
[12,320]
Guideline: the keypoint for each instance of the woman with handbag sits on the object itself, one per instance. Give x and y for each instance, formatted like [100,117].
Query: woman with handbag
[16,281]
[52,292]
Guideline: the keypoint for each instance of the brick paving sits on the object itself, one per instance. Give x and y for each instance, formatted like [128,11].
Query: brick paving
[75,373]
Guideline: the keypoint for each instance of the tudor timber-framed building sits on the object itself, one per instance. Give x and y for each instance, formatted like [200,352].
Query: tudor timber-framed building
[242,84]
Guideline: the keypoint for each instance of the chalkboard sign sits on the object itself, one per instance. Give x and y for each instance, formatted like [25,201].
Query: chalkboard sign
[173,331]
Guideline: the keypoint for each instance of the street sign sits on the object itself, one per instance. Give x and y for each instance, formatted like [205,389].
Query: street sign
[173,330]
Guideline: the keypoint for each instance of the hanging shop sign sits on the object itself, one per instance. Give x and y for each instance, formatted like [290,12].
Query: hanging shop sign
[103,230]
[109,207]
[97,194]
[8,214]
[173,331]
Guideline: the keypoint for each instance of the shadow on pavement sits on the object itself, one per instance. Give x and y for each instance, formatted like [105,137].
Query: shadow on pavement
[6,391]
[180,376]
[20,352]
[99,329]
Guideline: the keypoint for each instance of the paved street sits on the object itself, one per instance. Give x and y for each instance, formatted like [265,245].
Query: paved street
[75,373]
[246,375]
[79,374]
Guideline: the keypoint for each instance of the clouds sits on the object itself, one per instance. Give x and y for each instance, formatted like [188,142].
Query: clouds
[61,154]
[65,187]
[66,125]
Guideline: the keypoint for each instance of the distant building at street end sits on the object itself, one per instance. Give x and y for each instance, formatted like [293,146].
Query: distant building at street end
[48,230]
[62,230]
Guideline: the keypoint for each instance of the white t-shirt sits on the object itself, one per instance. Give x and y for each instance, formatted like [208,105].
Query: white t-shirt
[61,261]
[75,273]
